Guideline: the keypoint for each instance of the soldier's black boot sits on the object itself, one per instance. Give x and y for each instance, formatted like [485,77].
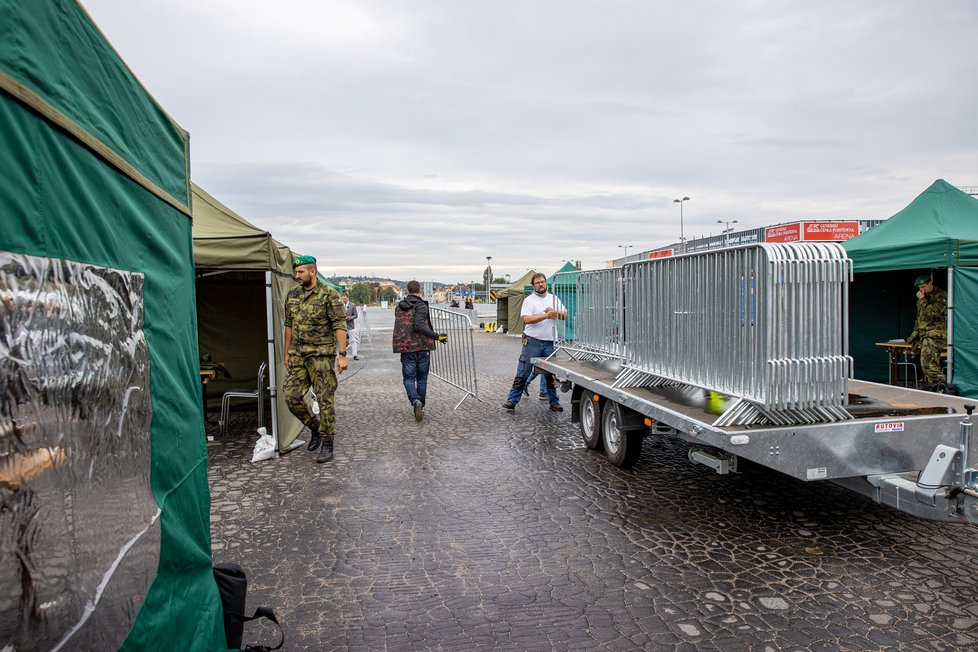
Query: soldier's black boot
[325,453]
[315,438]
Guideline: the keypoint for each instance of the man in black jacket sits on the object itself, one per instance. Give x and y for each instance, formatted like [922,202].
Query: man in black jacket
[414,338]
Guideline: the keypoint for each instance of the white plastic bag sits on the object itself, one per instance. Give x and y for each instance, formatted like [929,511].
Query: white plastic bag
[264,447]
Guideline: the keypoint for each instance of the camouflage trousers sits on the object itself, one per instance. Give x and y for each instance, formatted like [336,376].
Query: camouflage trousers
[314,371]
[930,359]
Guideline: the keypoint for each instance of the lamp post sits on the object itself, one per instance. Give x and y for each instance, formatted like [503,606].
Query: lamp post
[625,247]
[488,276]
[727,230]
[682,234]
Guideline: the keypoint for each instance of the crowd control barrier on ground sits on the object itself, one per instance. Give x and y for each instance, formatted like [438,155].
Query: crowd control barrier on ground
[454,360]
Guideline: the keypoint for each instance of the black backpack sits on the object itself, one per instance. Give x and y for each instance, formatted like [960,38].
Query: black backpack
[233,586]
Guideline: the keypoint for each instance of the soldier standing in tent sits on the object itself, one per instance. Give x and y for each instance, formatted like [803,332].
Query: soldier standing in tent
[930,330]
[315,338]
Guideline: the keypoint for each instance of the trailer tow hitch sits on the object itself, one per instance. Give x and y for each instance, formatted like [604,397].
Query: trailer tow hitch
[947,488]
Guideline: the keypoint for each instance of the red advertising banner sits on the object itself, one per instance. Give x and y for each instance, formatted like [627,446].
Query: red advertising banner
[834,231]
[665,253]
[783,233]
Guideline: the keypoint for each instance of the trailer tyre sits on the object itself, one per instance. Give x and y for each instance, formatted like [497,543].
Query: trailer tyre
[622,445]
[590,413]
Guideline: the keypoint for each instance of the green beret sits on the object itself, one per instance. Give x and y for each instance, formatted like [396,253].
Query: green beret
[303,260]
[923,278]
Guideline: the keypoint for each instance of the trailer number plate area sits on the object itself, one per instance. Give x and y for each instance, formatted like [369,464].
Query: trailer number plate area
[817,474]
[890,426]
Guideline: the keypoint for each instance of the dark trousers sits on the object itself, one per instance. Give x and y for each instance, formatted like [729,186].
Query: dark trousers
[532,348]
[414,370]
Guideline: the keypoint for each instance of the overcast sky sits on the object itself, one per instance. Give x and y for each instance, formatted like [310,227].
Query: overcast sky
[413,139]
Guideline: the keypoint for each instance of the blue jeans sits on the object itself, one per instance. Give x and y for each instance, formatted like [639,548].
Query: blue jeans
[414,370]
[532,348]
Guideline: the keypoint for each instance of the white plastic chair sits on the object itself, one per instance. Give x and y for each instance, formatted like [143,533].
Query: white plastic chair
[258,393]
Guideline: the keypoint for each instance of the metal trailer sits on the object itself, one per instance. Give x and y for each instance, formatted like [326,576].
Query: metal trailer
[911,450]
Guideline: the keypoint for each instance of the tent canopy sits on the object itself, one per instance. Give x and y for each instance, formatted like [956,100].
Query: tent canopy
[232,257]
[937,232]
[509,302]
[96,189]
[937,229]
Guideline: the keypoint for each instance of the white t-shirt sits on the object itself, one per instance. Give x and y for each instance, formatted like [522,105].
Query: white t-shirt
[535,305]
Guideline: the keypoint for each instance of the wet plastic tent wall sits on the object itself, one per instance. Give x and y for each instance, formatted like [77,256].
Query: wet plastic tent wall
[937,231]
[103,466]
[234,260]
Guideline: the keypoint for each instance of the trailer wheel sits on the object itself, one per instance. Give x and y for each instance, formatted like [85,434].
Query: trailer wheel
[590,413]
[621,445]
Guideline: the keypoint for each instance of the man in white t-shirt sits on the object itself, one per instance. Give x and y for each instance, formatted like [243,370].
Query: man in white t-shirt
[540,309]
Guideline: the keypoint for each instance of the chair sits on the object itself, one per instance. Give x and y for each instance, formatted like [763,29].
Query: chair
[908,365]
[258,393]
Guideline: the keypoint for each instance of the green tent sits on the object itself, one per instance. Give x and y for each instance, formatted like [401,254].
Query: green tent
[109,541]
[509,302]
[563,284]
[243,275]
[937,231]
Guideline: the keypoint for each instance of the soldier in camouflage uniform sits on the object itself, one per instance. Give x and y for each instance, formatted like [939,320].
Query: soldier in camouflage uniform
[315,337]
[930,330]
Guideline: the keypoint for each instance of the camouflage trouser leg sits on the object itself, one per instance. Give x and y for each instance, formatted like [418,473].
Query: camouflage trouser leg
[316,372]
[930,359]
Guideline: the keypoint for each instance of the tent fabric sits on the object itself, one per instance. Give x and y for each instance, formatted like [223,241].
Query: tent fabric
[62,198]
[57,60]
[513,296]
[231,306]
[966,330]
[937,229]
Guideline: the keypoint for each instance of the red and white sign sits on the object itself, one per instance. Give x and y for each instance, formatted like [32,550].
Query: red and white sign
[812,232]
[889,426]
[783,233]
[665,253]
[832,231]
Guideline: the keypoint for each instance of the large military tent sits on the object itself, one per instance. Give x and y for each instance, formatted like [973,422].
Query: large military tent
[938,232]
[103,464]
[509,302]
[243,275]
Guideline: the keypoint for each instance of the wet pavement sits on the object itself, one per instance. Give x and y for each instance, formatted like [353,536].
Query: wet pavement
[482,530]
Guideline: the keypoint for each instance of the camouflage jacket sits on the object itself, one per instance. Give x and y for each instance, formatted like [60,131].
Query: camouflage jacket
[314,317]
[931,316]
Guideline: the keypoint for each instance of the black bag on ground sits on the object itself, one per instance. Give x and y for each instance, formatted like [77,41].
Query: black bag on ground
[233,586]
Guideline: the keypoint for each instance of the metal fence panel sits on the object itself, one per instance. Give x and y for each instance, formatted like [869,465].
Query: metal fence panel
[454,361]
[765,322]
[594,310]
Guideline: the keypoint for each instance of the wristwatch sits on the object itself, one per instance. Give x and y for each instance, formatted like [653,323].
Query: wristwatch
[342,353]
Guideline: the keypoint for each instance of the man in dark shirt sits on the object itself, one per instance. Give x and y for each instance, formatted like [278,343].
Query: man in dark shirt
[414,338]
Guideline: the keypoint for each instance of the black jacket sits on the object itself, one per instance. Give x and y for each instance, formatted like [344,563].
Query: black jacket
[417,335]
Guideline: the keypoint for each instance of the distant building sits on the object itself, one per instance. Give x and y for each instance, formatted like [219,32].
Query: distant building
[800,231]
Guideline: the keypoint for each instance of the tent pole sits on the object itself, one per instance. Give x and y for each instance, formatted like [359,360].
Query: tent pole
[272,380]
[950,325]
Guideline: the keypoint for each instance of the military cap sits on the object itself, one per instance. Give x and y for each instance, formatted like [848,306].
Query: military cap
[923,278]
[303,260]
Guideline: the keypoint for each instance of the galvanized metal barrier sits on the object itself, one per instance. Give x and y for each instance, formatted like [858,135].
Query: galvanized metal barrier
[595,314]
[454,361]
[765,323]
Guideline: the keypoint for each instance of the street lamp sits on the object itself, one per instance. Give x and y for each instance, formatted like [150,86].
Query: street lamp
[727,230]
[682,235]
[488,276]
[625,247]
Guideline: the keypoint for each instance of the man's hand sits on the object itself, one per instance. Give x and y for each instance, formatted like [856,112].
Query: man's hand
[550,313]
[920,294]
[341,363]
[443,338]
[286,359]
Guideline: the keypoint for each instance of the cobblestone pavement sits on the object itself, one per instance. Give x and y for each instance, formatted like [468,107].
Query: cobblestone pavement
[481,530]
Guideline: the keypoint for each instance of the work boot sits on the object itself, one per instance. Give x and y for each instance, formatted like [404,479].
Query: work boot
[509,406]
[326,453]
[315,438]
[543,396]
[556,407]
[418,410]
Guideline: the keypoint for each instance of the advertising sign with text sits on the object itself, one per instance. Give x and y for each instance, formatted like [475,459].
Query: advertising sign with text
[832,231]
[783,233]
